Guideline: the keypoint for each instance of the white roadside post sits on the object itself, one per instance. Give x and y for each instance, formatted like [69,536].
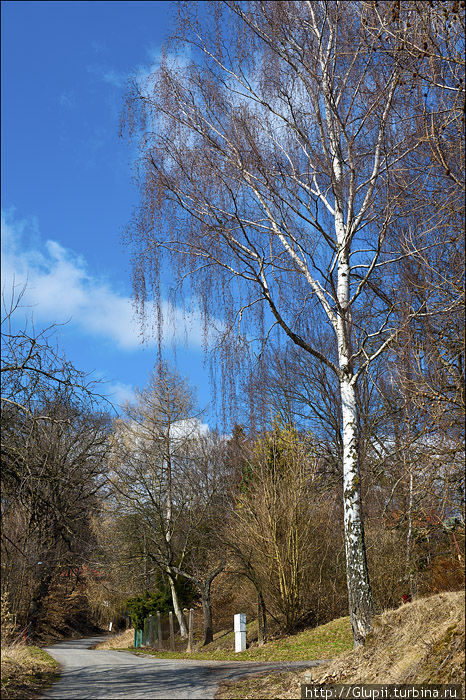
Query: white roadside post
[240,632]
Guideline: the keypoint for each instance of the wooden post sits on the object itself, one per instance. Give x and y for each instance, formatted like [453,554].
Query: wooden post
[172,631]
[190,632]
[159,630]
[152,631]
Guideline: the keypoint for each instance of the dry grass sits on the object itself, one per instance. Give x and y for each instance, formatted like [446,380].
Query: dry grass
[419,642]
[422,642]
[264,685]
[122,640]
[26,671]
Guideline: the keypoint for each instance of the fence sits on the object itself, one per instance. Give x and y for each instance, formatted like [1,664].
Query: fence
[159,632]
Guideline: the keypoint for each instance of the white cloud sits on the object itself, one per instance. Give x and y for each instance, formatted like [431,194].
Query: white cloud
[120,78]
[191,427]
[119,393]
[61,288]
[108,75]
[142,73]
[112,77]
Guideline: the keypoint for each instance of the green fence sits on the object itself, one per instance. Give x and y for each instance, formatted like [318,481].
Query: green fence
[159,632]
[155,631]
[137,638]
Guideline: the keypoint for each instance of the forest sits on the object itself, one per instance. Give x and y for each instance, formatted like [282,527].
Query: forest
[301,177]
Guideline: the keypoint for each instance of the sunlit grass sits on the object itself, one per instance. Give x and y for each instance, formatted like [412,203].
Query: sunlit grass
[26,671]
[323,642]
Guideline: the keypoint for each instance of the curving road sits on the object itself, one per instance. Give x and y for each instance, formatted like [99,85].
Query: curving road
[95,674]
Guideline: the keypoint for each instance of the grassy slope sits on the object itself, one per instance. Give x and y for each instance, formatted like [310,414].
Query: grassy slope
[323,642]
[422,642]
[26,672]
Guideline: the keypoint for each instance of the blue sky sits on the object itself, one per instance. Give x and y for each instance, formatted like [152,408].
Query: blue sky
[67,192]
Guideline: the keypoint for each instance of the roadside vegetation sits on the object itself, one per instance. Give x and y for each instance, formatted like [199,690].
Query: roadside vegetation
[421,642]
[323,642]
[121,640]
[26,671]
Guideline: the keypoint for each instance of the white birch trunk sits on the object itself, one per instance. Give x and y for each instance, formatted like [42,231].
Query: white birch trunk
[168,536]
[359,590]
[360,599]
[177,609]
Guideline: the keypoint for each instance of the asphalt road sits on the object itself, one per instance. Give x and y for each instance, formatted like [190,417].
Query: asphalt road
[94,674]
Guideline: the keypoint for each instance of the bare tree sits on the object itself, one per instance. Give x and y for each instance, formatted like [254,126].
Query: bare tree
[271,530]
[210,476]
[32,364]
[53,444]
[168,478]
[150,466]
[52,477]
[270,147]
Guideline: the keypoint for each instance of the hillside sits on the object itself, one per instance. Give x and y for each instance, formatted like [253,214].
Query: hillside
[324,642]
[421,642]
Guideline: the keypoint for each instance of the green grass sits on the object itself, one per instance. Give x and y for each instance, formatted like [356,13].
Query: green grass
[324,642]
[37,653]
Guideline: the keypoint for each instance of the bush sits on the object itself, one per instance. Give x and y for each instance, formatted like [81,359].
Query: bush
[8,627]
[142,606]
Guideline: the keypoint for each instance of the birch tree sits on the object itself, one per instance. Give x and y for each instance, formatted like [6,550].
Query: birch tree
[271,134]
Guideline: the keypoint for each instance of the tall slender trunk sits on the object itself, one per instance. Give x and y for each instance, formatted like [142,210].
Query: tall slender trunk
[206,605]
[261,619]
[168,536]
[176,607]
[361,604]
[359,589]
[207,614]
[409,534]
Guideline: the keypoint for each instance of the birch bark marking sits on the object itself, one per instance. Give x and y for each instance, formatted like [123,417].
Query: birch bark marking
[359,590]
[360,599]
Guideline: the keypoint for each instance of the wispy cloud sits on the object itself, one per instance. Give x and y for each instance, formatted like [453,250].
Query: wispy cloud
[143,73]
[120,393]
[67,99]
[60,287]
[108,75]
